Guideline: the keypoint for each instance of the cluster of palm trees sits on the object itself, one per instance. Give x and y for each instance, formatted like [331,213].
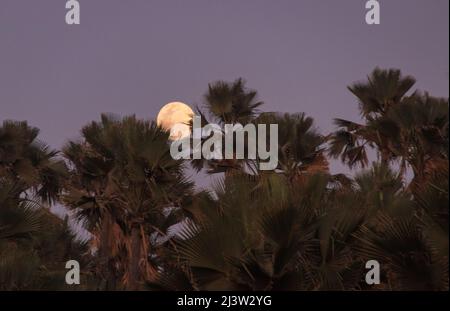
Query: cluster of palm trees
[295,228]
[34,243]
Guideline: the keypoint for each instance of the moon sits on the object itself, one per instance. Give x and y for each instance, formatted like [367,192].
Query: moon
[175,118]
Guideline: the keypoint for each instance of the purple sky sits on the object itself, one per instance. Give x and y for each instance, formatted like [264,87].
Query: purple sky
[133,56]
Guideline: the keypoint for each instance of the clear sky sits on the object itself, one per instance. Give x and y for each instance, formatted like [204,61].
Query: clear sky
[134,56]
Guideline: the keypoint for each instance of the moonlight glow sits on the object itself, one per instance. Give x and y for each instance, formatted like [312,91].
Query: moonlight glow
[175,117]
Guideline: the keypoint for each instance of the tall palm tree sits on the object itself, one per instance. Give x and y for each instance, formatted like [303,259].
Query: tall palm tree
[231,103]
[34,243]
[420,135]
[29,162]
[383,90]
[125,185]
[412,130]
[300,146]
[227,103]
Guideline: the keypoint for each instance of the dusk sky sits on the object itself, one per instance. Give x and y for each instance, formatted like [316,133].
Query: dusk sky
[134,56]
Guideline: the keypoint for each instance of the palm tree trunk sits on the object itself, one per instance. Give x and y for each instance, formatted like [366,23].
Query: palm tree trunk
[134,270]
[105,252]
[150,271]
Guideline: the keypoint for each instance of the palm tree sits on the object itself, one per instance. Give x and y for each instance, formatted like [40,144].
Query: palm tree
[126,187]
[383,90]
[227,103]
[29,162]
[231,103]
[412,249]
[300,146]
[411,129]
[34,244]
[420,135]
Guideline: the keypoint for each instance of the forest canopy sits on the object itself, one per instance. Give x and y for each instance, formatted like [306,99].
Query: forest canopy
[298,227]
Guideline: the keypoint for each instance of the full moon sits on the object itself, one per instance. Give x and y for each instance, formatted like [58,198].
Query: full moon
[174,118]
